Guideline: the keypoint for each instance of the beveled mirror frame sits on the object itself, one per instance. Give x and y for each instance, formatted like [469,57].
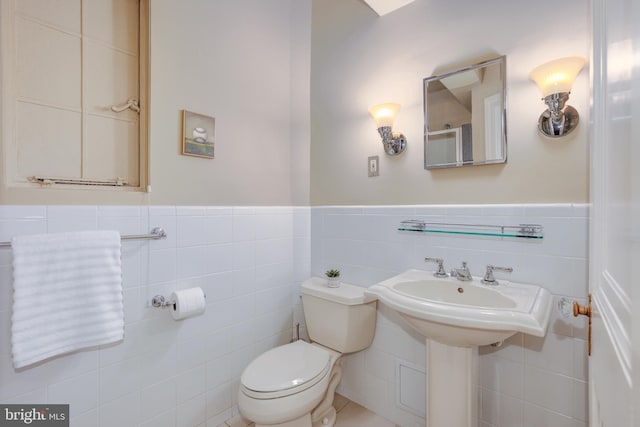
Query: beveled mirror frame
[454,140]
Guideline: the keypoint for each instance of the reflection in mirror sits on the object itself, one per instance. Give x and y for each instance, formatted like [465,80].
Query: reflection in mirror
[465,116]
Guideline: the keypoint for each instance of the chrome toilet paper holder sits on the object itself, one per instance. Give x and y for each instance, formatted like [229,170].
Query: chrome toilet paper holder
[161,301]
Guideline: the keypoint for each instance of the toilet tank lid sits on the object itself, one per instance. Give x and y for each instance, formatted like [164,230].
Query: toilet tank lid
[344,294]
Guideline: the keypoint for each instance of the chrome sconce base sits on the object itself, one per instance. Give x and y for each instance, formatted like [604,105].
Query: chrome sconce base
[559,119]
[394,143]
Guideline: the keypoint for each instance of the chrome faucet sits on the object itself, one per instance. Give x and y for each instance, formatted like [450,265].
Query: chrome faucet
[488,278]
[462,273]
[440,272]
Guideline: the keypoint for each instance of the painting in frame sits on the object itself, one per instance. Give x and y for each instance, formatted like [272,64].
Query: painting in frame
[198,135]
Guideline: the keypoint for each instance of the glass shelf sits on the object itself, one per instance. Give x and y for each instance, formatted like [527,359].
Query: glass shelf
[523,231]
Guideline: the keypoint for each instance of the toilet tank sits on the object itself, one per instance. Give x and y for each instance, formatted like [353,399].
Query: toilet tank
[341,318]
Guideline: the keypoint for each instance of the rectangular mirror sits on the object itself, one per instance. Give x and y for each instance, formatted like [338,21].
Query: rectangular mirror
[465,116]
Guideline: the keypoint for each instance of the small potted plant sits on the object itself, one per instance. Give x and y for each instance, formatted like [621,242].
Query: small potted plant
[333,278]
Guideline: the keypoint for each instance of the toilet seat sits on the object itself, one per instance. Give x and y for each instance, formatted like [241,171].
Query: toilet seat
[285,370]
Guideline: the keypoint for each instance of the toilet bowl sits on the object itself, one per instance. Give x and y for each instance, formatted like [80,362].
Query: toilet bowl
[286,382]
[293,385]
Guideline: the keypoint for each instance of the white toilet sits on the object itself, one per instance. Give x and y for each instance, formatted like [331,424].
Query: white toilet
[293,385]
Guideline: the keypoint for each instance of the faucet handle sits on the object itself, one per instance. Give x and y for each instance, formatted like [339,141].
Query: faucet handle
[488,278]
[440,272]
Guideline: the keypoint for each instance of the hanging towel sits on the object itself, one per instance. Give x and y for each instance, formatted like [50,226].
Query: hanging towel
[67,294]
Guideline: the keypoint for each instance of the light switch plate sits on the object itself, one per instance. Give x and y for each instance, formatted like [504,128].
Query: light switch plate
[373,166]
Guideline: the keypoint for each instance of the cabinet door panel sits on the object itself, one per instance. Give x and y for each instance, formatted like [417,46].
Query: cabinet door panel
[48,66]
[64,14]
[114,22]
[112,79]
[48,141]
[111,149]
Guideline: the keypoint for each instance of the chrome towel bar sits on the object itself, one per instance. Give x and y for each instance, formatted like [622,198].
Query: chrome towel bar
[156,233]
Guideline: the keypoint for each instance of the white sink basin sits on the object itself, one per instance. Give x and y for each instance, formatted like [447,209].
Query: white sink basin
[465,314]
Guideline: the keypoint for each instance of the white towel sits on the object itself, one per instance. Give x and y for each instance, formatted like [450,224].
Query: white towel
[67,294]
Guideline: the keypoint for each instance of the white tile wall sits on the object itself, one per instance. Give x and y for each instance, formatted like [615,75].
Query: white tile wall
[249,261]
[167,373]
[528,381]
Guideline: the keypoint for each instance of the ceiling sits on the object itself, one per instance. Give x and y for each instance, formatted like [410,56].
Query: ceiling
[382,7]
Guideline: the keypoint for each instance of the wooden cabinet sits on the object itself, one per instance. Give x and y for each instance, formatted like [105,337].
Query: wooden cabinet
[65,63]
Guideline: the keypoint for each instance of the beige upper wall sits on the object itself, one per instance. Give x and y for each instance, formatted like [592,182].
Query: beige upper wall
[247,64]
[238,61]
[252,74]
[360,59]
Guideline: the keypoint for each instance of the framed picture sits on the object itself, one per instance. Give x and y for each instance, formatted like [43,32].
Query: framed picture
[197,134]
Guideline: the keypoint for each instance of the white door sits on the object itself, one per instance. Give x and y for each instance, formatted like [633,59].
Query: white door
[615,217]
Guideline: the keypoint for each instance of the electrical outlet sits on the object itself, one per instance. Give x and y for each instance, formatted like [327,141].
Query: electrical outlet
[373,166]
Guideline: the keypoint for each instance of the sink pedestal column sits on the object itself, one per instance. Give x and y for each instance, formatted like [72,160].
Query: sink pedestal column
[451,386]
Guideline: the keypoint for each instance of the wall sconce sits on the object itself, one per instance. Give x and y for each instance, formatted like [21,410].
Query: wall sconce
[554,79]
[384,114]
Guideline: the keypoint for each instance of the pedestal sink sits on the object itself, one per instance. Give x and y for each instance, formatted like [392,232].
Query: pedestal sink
[455,317]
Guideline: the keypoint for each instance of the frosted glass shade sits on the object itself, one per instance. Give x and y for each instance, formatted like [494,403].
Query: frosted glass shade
[384,114]
[557,76]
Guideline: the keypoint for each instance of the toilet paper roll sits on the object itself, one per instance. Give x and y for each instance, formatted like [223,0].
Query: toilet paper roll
[187,303]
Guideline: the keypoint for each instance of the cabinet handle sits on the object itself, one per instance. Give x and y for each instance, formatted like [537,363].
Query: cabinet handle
[131,104]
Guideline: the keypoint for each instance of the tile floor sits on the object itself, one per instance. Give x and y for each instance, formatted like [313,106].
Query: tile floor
[350,414]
